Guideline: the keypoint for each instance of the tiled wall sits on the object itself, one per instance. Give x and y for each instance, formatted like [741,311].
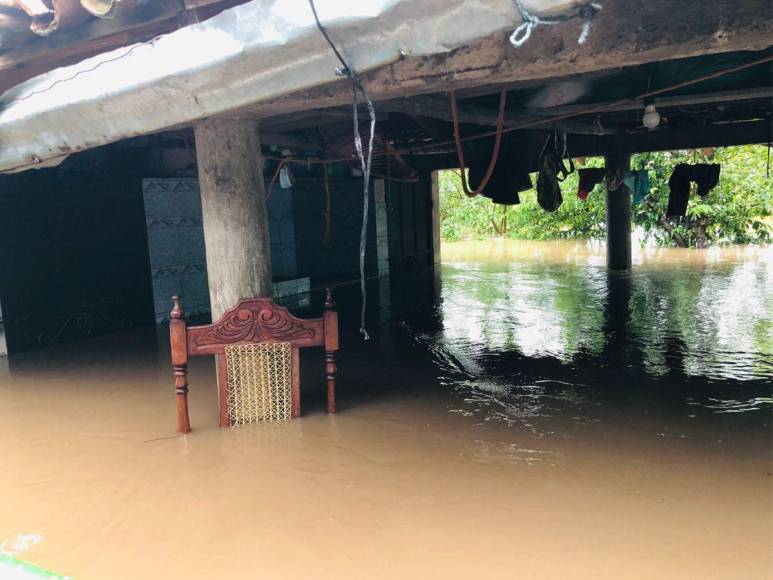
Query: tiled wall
[281,227]
[176,244]
[382,231]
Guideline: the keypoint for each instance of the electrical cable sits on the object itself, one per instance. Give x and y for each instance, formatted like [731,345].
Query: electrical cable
[365,162]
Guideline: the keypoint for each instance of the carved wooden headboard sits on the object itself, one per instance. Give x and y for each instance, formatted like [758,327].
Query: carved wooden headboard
[251,321]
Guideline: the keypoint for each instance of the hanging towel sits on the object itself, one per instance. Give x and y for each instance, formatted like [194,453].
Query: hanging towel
[642,186]
[504,184]
[705,175]
[638,182]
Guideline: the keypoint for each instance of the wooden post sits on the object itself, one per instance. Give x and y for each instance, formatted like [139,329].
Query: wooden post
[178,338]
[618,215]
[436,218]
[234,211]
[330,318]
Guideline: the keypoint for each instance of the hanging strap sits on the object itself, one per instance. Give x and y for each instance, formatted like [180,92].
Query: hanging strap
[495,152]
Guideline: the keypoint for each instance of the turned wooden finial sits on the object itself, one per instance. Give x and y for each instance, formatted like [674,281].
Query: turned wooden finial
[329,302]
[177,308]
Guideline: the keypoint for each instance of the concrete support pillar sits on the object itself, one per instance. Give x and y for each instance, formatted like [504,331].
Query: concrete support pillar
[234,212]
[618,216]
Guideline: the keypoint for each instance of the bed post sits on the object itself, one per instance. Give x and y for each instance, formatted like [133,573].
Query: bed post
[177,334]
[330,318]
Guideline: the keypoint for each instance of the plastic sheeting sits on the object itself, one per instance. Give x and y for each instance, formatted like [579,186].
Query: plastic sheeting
[250,53]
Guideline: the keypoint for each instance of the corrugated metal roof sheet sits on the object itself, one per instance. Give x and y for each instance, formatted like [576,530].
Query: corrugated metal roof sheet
[253,52]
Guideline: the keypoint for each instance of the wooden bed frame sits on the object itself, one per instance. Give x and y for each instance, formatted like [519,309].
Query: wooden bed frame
[251,321]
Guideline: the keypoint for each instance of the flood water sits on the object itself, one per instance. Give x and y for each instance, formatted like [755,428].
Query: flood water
[522,414]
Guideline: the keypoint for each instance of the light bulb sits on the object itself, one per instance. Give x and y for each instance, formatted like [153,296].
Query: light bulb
[651,118]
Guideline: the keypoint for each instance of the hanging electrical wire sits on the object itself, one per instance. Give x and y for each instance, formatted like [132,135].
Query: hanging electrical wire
[365,161]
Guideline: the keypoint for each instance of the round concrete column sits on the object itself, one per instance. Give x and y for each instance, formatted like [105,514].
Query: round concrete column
[618,217]
[233,205]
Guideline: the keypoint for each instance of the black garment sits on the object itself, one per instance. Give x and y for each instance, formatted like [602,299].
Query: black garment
[590,177]
[551,171]
[505,183]
[706,175]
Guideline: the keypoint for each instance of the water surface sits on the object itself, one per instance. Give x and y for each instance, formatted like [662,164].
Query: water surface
[522,414]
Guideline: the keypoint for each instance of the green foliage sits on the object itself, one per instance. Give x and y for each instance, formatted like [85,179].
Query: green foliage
[738,210]
[460,216]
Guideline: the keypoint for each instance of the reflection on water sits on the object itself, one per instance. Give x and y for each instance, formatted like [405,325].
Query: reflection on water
[522,415]
[706,314]
[538,329]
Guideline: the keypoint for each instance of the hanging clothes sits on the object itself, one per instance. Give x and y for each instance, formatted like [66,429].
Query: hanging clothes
[551,171]
[590,177]
[638,182]
[705,175]
[505,182]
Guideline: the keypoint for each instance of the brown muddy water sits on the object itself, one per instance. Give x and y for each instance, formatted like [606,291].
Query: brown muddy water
[522,415]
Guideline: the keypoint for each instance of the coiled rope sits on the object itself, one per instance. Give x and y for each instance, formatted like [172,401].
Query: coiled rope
[530,21]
